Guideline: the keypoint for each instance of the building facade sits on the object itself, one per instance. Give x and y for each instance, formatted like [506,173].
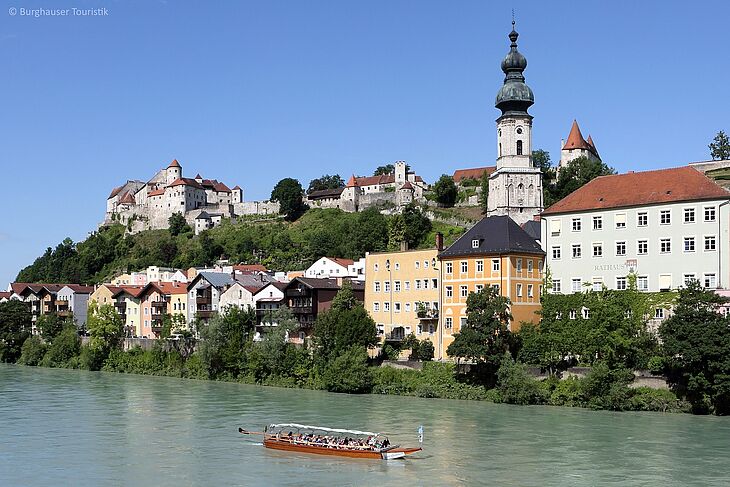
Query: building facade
[665,227]
[494,252]
[515,187]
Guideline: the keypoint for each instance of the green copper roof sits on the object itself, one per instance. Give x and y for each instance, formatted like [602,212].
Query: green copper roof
[514,97]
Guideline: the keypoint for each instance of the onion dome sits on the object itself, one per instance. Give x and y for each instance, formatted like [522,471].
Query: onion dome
[514,97]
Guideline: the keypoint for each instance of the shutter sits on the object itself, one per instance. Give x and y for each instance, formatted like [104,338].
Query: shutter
[555,226]
[665,282]
[620,220]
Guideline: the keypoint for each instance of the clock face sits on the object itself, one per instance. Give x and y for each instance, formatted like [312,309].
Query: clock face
[519,130]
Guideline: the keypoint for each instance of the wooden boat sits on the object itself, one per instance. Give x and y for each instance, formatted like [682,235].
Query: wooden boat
[330,441]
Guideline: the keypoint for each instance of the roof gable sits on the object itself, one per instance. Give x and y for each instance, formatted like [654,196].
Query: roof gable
[495,235]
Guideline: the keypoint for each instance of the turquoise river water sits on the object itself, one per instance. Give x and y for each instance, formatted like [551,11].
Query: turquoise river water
[67,427]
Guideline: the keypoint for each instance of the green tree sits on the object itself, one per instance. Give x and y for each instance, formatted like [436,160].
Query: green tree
[382,170]
[327,181]
[225,342]
[15,322]
[396,231]
[720,146]
[32,351]
[515,385]
[485,338]
[417,225]
[174,323]
[49,325]
[348,372]
[696,343]
[288,192]
[66,345]
[484,194]
[370,232]
[105,328]
[178,224]
[445,191]
[541,159]
[574,175]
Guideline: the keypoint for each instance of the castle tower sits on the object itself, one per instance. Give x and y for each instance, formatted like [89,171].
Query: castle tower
[173,171]
[576,146]
[515,188]
[400,173]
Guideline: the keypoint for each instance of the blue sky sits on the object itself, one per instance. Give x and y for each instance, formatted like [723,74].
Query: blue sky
[249,92]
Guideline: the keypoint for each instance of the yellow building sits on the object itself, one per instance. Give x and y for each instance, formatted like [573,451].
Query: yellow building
[129,307]
[103,294]
[494,252]
[402,293]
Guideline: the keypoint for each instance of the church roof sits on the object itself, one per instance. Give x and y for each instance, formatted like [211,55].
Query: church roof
[473,173]
[640,189]
[496,235]
[514,97]
[174,163]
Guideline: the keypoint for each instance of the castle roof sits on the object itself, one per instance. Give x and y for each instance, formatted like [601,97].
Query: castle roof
[640,189]
[156,192]
[115,192]
[236,187]
[185,182]
[198,176]
[473,173]
[325,193]
[576,140]
[174,163]
[407,185]
[221,188]
[375,180]
[127,198]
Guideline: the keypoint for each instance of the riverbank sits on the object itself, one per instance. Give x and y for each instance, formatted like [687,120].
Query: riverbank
[601,389]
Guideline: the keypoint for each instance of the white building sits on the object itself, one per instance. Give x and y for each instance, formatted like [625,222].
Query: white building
[327,267]
[666,226]
[576,146]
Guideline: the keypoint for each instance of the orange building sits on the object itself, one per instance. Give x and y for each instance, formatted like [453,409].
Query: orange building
[158,299]
[494,252]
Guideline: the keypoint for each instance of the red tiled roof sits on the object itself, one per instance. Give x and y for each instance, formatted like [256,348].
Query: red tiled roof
[18,287]
[236,187]
[407,185]
[174,163]
[185,182]
[640,188]
[164,288]
[221,188]
[250,268]
[133,291]
[351,182]
[156,192]
[115,192]
[342,262]
[473,173]
[78,288]
[127,198]
[576,140]
[5,294]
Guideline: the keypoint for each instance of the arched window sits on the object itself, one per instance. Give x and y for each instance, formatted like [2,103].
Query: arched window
[519,147]
[500,149]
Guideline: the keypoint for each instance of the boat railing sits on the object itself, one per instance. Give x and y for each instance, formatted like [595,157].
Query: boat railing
[324,444]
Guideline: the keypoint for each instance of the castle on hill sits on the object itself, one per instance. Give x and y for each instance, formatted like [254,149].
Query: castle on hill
[203,202]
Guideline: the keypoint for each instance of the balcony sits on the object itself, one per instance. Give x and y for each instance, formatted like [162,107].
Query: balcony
[204,313]
[156,326]
[428,315]
[203,300]
[64,313]
[158,316]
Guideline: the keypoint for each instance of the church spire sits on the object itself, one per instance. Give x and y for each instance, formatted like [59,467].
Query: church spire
[514,97]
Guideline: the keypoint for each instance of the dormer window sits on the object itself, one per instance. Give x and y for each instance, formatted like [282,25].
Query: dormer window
[475,243]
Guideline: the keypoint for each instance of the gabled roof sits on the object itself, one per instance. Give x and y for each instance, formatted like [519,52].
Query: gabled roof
[236,187]
[198,176]
[327,283]
[407,185]
[640,189]
[325,193]
[185,182]
[496,235]
[115,192]
[164,288]
[133,291]
[532,227]
[375,180]
[216,279]
[127,198]
[156,192]
[221,188]
[342,262]
[5,294]
[174,163]
[473,173]
[248,268]
[18,287]
[80,289]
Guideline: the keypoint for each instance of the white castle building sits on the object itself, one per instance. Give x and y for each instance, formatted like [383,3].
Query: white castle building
[145,206]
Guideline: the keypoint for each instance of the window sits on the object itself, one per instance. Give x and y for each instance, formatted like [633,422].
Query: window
[449,291]
[434,283]
[386,306]
[449,268]
[642,247]
[689,244]
[687,278]
[519,147]
[475,243]
[597,284]
[407,285]
[479,287]
[665,282]
[576,224]
[659,313]
[665,245]
[642,283]
[556,285]
[519,290]
[376,307]
[480,266]
[376,267]
[572,314]
[642,219]
[620,220]
[407,307]
[576,251]
[598,250]
[386,286]
[556,252]
[397,266]
[425,284]
[575,285]
[464,266]
[529,265]
[518,265]
[665,217]
[597,223]
[621,248]
[710,243]
[495,265]
[418,283]
[463,291]
[709,213]
[425,264]
[710,280]
[529,290]
[396,286]
[555,227]
[396,307]
[449,323]
[689,215]
[418,265]
[621,283]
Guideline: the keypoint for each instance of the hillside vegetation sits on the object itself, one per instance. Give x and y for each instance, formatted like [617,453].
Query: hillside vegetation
[277,244]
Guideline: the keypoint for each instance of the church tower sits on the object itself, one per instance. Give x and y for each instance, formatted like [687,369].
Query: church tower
[515,188]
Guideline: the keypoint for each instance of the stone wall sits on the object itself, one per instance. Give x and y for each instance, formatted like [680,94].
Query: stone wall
[256,208]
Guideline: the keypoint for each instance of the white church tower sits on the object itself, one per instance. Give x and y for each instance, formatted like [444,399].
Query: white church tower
[515,188]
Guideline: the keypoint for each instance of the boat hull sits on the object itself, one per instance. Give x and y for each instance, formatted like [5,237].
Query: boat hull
[340,452]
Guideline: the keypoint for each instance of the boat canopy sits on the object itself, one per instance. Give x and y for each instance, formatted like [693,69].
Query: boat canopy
[319,428]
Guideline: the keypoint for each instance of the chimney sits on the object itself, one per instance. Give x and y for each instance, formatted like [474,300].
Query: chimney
[403,246]
[439,241]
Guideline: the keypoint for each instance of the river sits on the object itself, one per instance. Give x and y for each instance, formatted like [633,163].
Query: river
[68,427]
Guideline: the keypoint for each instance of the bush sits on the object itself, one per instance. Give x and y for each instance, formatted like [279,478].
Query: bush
[348,372]
[568,392]
[656,365]
[647,399]
[91,358]
[426,350]
[516,386]
[65,347]
[32,351]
